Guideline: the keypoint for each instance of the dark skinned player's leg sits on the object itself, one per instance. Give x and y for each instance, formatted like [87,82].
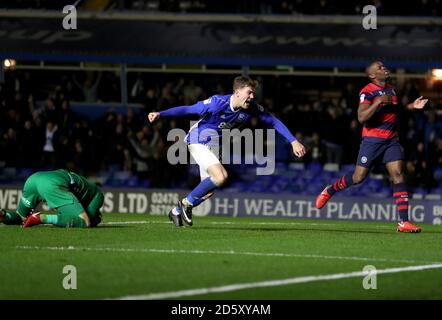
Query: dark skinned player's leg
[396,171]
[348,180]
[343,182]
[368,153]
[394,163]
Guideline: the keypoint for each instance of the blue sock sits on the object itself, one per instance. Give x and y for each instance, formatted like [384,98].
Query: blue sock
[49,218]
[205,186]
[197,201]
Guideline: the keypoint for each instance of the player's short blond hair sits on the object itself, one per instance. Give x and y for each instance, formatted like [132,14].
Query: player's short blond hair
[244,81]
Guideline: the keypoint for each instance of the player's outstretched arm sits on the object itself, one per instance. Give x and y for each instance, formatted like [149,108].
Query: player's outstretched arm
[298,149]
[198,108]
[269,119]
[419,103]
[153,116]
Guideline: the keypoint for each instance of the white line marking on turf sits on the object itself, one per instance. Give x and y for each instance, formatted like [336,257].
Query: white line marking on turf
[221,252]
[272,283]
[222,222]
[239,223]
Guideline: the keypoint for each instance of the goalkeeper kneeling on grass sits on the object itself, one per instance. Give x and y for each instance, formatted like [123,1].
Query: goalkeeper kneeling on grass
[76,200]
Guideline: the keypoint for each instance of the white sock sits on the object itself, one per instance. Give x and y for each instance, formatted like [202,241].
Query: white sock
[186,202]
[175,212]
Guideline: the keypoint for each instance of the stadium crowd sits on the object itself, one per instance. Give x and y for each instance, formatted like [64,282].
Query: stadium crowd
[39,129]
[307,7]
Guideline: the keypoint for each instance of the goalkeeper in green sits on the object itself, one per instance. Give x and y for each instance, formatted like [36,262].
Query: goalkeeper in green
[76,200]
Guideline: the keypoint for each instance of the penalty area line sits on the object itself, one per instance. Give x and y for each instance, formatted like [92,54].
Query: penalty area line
[272,283]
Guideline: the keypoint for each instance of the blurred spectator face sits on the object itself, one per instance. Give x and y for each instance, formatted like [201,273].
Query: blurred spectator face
[354,124]
[150,93]
[315,137]
[12,114]
[410,167]
[78,147]
[49,126]
[119,129]
[172,124]
[332,112]
[28,125]
[88,83]
[11,134]
[140,135]
[439,144]
[147,131]
[420,147]
[254,122]
[65,105]
[37,121]
[110,115]
[50,104]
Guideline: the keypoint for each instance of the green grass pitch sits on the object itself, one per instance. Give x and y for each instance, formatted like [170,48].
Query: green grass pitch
[141,255]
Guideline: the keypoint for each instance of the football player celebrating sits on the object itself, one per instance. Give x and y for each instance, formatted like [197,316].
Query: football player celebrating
[218,113]
[378,112]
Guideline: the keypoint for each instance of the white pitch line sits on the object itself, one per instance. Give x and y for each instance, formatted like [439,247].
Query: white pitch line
[272,283]
[239,223]
[222,223]
[222,252]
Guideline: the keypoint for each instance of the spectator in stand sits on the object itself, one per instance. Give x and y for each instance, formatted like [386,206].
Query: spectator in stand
[89,88]
[49,158]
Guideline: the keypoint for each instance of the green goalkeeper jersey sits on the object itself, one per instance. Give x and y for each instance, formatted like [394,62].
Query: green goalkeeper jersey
[57,188]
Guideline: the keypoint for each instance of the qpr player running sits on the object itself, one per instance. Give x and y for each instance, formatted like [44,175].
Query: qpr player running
[378,112]
[218,113]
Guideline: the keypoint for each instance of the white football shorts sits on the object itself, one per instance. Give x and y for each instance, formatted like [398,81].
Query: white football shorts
[205,156]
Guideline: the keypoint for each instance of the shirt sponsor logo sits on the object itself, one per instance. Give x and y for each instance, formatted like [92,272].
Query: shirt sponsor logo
[26,201]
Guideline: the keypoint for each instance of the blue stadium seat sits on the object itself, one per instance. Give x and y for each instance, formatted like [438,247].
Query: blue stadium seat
[437,173]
